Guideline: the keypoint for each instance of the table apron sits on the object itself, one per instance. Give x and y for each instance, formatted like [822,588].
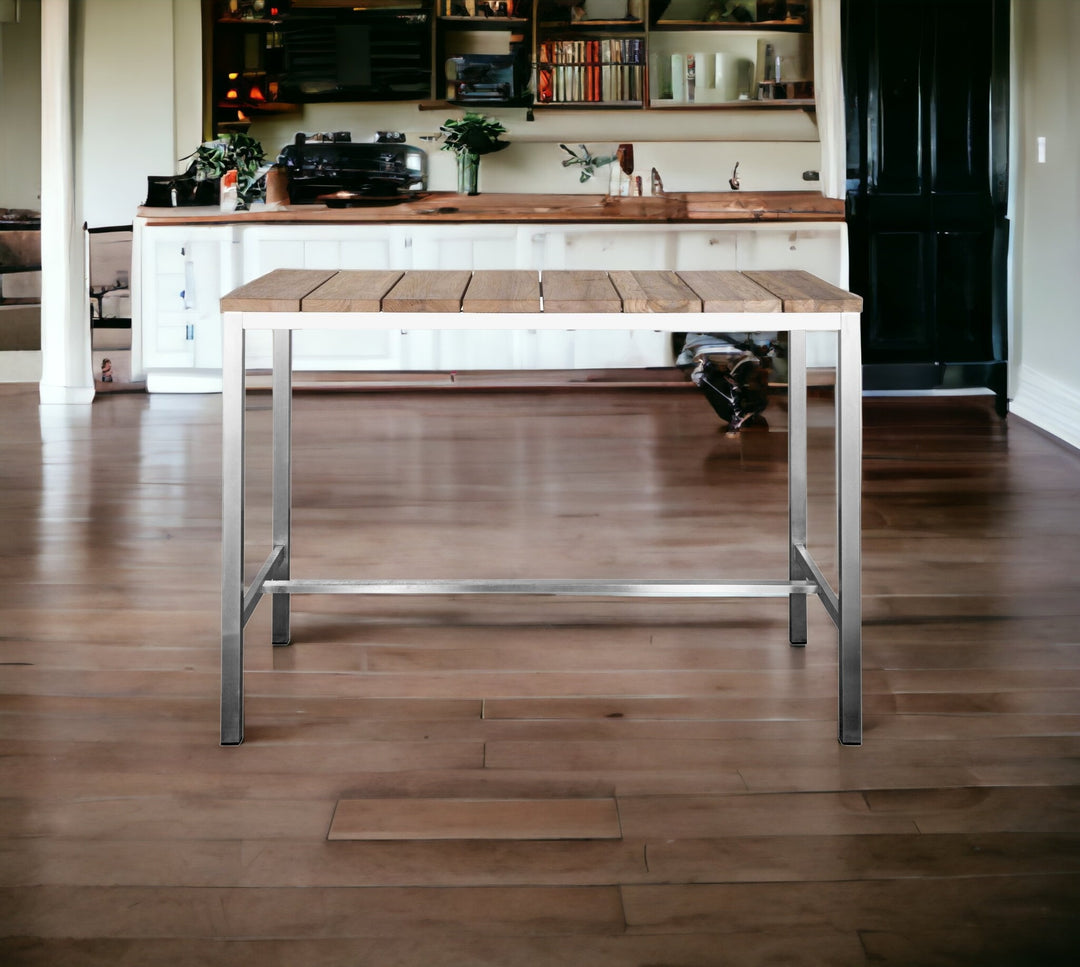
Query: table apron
[647,321]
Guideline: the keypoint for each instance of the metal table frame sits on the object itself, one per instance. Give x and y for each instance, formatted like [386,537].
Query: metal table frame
[805,578]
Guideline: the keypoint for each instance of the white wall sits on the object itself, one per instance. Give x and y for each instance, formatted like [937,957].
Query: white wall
[1045,370]
[20,109]
[128,110]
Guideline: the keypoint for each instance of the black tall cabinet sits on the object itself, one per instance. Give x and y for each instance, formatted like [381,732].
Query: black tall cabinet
[926,95]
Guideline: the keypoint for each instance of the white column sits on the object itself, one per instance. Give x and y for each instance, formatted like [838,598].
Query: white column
[66,362]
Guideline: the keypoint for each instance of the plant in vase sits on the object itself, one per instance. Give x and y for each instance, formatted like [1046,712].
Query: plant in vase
[212,159]
[469,137]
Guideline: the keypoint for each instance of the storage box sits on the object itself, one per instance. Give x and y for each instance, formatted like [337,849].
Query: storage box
[605,9]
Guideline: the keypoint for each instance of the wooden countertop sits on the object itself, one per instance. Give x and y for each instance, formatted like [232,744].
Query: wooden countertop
[450,207]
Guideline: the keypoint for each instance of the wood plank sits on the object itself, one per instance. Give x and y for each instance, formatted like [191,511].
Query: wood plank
[455,946]
[503,291]
[579,291]
[428,291]
[984,809]
[845,857]
[802,292]
[517,819]
[352,290]
[314,861]
[729,292]
[654,292]
[866,906]
[281,290]
[361,912]
[800,813]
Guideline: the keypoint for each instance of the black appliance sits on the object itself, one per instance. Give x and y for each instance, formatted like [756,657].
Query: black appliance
[487,78]
[336,170]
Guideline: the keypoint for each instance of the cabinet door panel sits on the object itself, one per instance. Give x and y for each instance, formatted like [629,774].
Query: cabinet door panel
[964,295]
[899,325]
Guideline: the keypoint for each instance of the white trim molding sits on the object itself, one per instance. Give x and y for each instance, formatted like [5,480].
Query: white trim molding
[1048,403]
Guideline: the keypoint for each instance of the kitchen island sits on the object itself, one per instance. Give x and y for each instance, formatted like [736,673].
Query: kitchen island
[185,259]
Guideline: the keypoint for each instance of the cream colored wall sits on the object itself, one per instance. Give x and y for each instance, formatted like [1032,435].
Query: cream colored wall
[128,110]
[1046,221]
[20,109]
[691,152]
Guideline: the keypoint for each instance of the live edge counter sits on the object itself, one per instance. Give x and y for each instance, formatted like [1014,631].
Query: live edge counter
[796,302]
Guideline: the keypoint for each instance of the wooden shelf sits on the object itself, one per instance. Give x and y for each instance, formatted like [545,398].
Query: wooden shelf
[790,104]
[485,23]
[789,26]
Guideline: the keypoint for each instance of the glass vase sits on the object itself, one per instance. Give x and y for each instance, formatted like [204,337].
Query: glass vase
[468,173]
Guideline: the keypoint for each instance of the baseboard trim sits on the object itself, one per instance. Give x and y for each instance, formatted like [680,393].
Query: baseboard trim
[1047,403]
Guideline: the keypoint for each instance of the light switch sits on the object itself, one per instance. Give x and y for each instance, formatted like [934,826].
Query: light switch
[1041,148]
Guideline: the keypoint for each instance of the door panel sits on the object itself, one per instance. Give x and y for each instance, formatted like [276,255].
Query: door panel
[898,323]
[963,295]
[896,161]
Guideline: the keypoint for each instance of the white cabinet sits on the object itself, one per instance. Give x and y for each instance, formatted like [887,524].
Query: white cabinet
[182,271]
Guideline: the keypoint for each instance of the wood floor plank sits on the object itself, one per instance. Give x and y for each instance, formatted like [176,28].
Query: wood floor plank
[858,905]
[806,814]
[254,863]
[982,809]
[794,949]
[277,913]
[421,819]
[845,857]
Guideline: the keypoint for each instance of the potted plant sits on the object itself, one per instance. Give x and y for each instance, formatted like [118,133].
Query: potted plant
[469,137]
[212,159]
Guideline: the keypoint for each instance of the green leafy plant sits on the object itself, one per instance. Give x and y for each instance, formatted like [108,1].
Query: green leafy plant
[212,159]
[472,134]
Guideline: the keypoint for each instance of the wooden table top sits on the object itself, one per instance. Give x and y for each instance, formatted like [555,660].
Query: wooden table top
[511,290]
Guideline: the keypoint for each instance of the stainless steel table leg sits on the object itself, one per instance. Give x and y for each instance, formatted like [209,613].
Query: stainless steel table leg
[849,523]
[282,477]
[797,477]
[232,532]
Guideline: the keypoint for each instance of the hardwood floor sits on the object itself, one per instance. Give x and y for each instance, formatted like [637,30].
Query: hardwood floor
[722,822]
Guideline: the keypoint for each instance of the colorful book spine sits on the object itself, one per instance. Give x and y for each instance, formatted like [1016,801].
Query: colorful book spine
[590,71]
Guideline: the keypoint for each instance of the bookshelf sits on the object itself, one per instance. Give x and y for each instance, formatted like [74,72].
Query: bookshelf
[647,55]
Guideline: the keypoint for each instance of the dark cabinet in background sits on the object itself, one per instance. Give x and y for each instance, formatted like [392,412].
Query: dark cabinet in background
[926,88]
